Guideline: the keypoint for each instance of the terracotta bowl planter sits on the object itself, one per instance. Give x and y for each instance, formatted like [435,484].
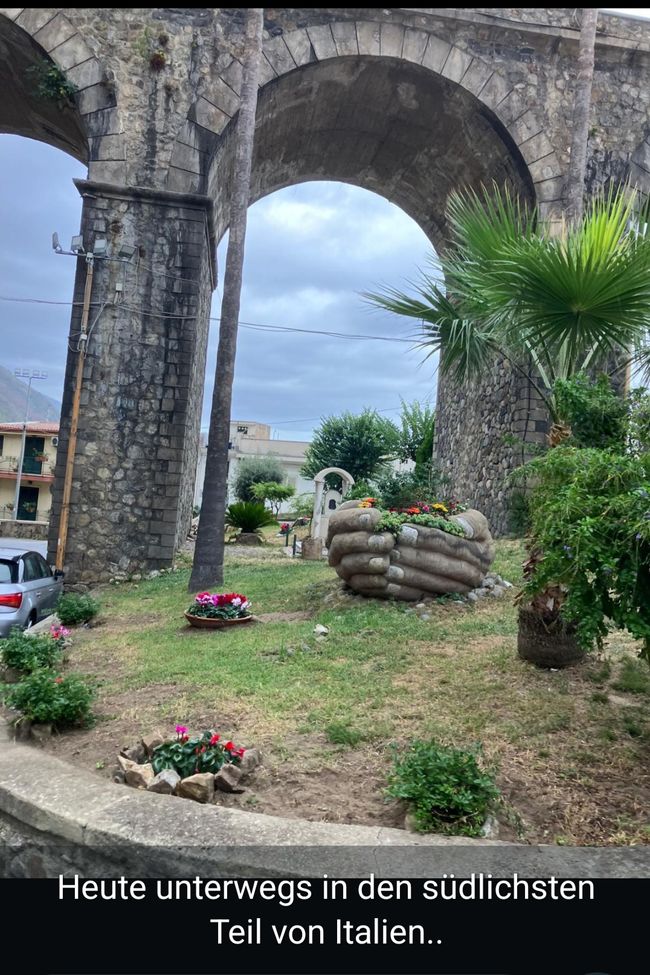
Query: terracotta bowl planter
[547,641]
[205,623]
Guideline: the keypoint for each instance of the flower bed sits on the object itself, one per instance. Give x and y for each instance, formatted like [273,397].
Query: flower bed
[192,767]
[424,549]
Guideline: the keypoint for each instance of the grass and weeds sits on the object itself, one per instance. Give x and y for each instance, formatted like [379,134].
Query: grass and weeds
[570,748]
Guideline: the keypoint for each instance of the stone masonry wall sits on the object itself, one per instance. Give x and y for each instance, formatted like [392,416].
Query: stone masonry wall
[141,401]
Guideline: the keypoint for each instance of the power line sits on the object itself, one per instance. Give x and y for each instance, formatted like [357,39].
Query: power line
[257,326]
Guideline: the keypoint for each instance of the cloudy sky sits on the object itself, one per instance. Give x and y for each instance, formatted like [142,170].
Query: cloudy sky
[310,250]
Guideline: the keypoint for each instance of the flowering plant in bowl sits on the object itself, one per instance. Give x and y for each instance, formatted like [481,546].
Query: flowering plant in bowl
[219,609]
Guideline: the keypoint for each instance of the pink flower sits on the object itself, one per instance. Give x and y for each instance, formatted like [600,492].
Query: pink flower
[181,729]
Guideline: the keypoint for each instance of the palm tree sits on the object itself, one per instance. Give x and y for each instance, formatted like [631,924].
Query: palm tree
[565,303]
[208,556]
[581,110]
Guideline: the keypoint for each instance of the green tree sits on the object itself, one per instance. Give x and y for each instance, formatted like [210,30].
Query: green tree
[361,444]
[274,493]
[256,470]
[417,423]
[207,569]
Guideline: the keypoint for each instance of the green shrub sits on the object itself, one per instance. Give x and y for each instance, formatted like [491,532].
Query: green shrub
[47,698]
[449,791]
[28,653]
[73,608]
[596,414]
[249,516]
[590,512]
[256,470]
[399,489]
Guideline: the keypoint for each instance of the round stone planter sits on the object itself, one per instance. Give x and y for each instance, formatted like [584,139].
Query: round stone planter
[419,562]
[205,623]
[547,640]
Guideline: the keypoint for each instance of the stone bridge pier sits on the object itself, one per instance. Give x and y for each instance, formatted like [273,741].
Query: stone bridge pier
[410,103]
[137,446]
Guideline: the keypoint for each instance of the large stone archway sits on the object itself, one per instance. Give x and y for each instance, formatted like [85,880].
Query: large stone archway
[406,102]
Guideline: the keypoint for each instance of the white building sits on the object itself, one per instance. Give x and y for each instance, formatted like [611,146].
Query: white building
[251,439]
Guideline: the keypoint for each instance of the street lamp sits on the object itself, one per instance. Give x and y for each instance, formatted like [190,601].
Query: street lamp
[24,374]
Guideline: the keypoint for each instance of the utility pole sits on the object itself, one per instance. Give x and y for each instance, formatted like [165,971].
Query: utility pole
[34,375]
[74,420]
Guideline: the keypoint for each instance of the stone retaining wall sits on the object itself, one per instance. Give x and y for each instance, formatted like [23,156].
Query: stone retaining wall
[55,818]
[34,530]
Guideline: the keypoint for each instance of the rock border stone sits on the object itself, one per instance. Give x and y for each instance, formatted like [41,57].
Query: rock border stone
[54,816]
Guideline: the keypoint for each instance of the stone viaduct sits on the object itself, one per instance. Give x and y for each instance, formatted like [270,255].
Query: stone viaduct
[409,103]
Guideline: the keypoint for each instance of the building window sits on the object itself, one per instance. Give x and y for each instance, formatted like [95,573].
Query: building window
[242,429]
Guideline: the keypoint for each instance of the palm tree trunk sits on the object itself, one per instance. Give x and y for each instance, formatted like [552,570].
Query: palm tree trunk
[581,110]
[208,555]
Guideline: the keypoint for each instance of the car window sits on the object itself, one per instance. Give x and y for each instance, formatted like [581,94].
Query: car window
[8,572]
[44,569]
[32,569]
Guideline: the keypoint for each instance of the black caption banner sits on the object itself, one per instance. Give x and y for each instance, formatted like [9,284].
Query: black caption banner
[448,925]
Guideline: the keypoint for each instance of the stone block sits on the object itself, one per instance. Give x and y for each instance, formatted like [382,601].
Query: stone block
[391,39]
[415,42]
[55,32]
[199,787]
[368,36]
[228,778]
[456,64]
[279,55]
[322,41]
[300,46]
[73,51]
[345,37]
[436,53]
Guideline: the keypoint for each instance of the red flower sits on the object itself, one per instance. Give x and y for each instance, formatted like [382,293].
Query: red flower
[240,751]
[215,739]
[229,746]
[58,680]
[185,738]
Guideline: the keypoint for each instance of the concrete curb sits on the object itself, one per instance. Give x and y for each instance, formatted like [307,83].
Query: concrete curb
[71,816]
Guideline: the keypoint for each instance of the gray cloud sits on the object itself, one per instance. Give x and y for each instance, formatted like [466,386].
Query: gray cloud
[310,250]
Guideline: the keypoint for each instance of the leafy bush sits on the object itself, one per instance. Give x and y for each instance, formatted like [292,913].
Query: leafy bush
[256,470]
[301,506]
[274,493]
[596,414]
[519,513]
[398,489]
[249,516]
[591,520]
[28,653]
[73,608]
[47,698]
[359,490]
[202,753]
[449,791]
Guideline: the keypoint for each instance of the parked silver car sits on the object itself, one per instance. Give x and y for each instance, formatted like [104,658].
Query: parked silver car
[29,590]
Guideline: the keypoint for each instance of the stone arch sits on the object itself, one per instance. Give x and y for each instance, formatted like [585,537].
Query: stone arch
[460,75]
[90,131]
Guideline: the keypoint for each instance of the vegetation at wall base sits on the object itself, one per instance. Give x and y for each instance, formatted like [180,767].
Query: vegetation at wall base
[73,608]
[447,789]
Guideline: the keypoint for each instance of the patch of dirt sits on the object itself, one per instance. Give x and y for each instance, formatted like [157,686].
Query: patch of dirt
[283,617]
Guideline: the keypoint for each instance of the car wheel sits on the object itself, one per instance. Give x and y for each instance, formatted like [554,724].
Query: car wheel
[30,622]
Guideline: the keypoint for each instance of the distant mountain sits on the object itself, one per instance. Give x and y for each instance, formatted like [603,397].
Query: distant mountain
[13,394]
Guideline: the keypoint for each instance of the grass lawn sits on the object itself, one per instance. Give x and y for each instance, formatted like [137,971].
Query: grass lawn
[570,748]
